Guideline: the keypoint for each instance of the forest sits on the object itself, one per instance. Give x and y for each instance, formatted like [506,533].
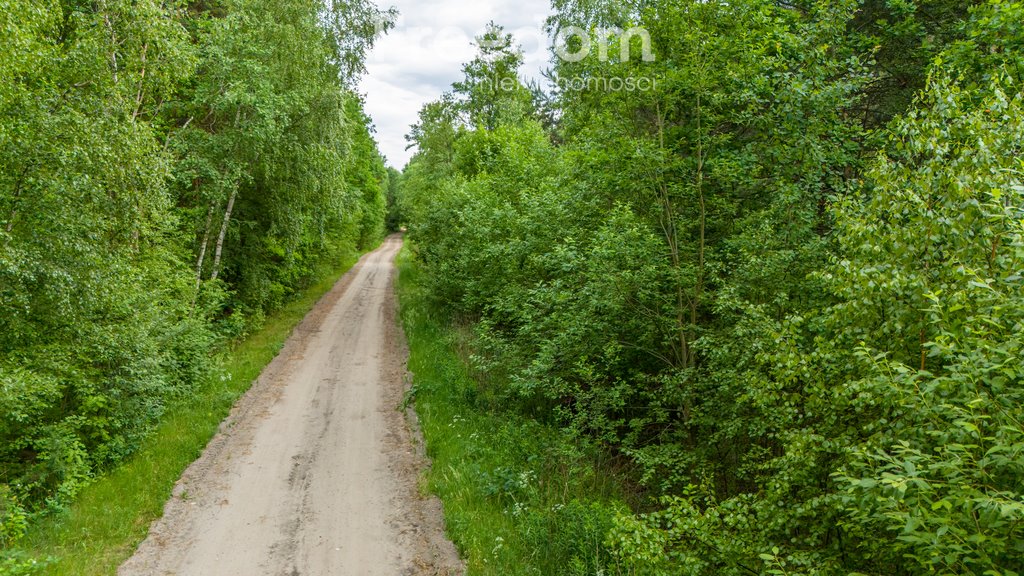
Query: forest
[738,290]
[780,290]
[170,173]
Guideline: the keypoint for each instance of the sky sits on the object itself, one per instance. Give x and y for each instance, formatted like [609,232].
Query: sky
[423,54]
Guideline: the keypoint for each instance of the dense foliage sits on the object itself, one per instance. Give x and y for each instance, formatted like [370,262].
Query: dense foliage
[784,282]
[169,171]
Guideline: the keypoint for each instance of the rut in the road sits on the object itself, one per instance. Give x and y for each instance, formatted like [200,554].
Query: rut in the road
[315,471]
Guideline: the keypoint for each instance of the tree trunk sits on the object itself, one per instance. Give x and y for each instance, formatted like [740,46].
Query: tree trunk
[170,133]
[113,39]
[202,247]
[698,290]
[142,85]
[223,233]
[14,198]
[668,227]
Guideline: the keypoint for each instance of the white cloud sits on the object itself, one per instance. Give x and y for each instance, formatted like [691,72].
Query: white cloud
[420,58]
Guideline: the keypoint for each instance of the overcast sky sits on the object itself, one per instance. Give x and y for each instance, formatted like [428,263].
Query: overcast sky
[420,58]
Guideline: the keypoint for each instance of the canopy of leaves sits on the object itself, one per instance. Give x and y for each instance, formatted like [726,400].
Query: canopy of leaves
[169,171]
[784,282]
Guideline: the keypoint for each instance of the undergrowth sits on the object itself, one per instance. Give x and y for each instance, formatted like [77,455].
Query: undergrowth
[110,516]
[520,497]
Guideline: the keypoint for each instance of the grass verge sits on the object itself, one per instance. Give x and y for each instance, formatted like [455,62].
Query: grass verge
[520,497]
[112,515]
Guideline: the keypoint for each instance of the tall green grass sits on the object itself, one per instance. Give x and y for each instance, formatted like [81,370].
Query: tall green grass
[112,515]
[520,497]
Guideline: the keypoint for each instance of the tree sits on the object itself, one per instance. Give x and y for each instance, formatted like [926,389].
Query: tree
[780,290]
[490,92]
[168,172]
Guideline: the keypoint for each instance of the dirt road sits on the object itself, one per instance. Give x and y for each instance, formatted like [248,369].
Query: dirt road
[315,471]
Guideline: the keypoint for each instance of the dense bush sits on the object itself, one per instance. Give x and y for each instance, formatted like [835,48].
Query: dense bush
[785,283]
[169,171]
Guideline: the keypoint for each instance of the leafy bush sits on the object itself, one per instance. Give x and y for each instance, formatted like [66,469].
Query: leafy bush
[13,563]
[167,175]
[947,476]
[783,283]
[13,518]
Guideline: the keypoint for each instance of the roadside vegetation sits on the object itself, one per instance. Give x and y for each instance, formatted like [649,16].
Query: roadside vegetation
[521,497]
[778,296]
[110,516]
[172,174]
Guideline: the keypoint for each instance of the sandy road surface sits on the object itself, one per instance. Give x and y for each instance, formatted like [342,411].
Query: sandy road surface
[314,472]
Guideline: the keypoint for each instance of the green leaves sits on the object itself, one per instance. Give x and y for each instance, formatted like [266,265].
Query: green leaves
[146,147]
[933,288]
[277,163]
[743,283]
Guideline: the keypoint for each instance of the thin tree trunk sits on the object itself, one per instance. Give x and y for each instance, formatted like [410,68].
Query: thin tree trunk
[136,228]
[668,227]
[227,215]
[170,133]
[223,233]
[113,40]
[142,84]
[202,247]
[14,197]
[684,355]
[924,349]
[699,288]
